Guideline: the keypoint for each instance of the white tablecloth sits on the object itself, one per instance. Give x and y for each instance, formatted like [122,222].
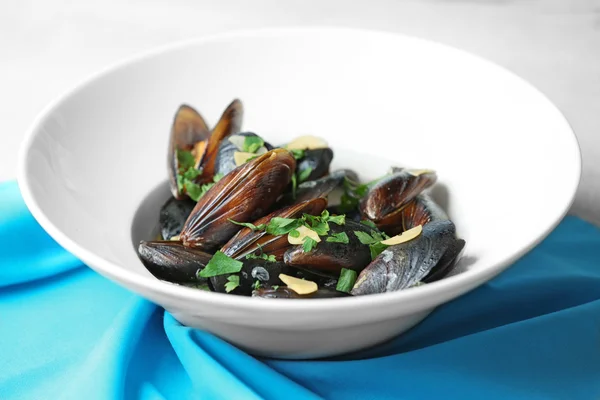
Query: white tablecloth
[47,47]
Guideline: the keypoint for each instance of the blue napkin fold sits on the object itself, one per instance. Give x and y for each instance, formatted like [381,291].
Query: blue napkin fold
[68,333]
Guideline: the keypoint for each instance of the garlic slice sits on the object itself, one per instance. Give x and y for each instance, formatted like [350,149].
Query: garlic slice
[300,286]
[240,157]
[404,236]
[304,232]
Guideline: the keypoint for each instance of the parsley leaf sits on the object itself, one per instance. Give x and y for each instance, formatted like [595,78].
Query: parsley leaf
[282,226]
[320,227]
[294,233]
[275,287]
[338,219]
[346,280]
[304,174]
[298,154]
[256,285]
[217,177]
[233,281]
[193,190]
[220,264]
[266,257]
[185,159]
[308,244]
[376,249]
[365,238]
[252,144]
[249,225]
[341,237]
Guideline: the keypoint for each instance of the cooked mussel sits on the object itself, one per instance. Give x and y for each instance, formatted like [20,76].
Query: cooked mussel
[286,293]
[255,272]
[247,241]
[314,164]
[235,144]
[331,256]
[394,191]
[323,279]
[243,195]
[404,265]
[171,261]
[173,215]
[189,132]
[419,211]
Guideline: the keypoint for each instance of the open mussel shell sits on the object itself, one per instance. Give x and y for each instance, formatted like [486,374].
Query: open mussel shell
[332,257]
[229,124]
[225,156]
[406,264]
[393,192]
[286,293]
[171,261]
[446,263]
[244,195]
[173,215]
[419,211]
[189,132]
[263,271]
[316,161]
[247,241]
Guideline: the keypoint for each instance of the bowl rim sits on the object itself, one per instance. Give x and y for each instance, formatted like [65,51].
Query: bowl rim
[453,284]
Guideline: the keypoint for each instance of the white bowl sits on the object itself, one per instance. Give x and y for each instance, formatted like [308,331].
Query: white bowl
[507,160]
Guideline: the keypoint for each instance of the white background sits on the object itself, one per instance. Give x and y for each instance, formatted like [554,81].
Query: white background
[47,47]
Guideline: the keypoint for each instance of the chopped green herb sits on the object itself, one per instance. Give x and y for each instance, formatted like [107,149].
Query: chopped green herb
[233,281]
[308,244]
[185,159]
[193,190]
[282,226]
[249,225]
[341,237]
[376,249]
[338,219]
[365,238]
[275,287]
[368,223]
[294,233]
[320,227]
[191,174]
[252,144]
[346,280]
[304,174]
[298,154]
[220,264]
[266,257]
[256,285]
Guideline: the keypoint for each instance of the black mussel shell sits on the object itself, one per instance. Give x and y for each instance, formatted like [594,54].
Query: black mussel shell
[225,160]
[173,215]
[316,161]
[321,187]
[171,261]
[244,195]
[266,272]
[332,257]
[420,211]
[406,264]
[393,192]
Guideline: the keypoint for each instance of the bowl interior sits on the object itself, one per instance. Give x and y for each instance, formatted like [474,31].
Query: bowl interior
[507,161]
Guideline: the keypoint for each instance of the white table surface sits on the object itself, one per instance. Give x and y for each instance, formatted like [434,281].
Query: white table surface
[47,47]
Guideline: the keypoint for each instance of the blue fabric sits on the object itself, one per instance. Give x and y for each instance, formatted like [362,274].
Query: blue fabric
[67,333]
